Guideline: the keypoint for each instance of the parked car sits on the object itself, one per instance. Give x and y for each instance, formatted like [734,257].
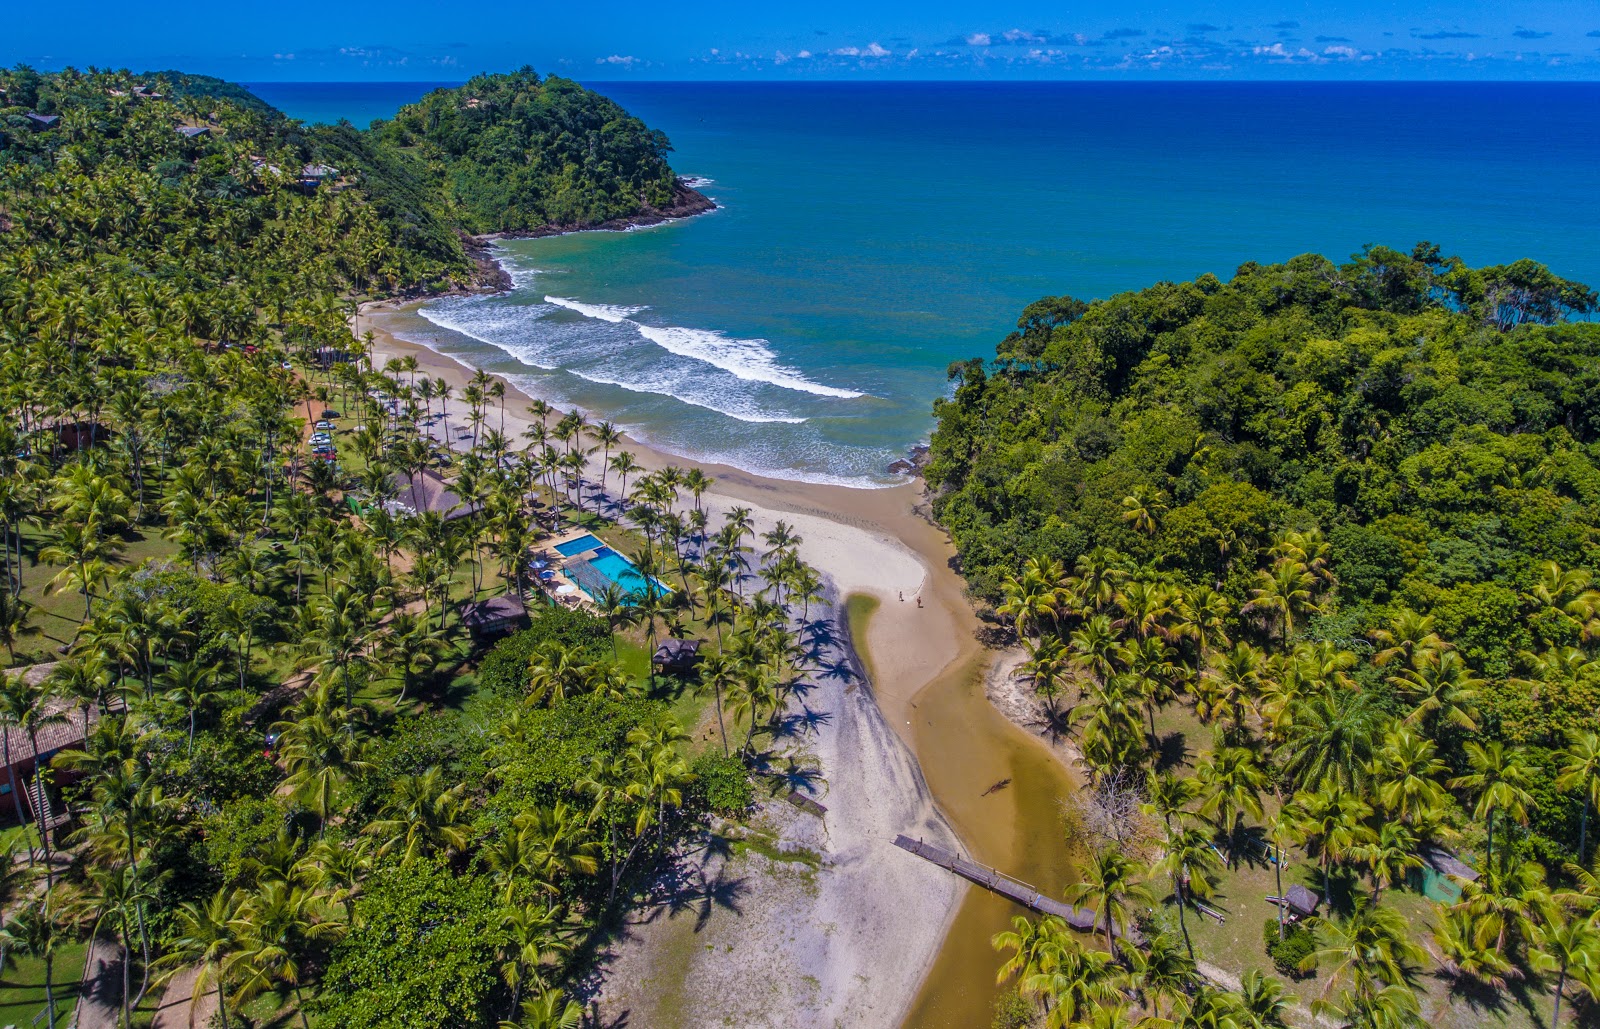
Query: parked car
[324,425]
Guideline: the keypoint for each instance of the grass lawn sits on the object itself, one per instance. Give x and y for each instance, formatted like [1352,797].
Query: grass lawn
[22,995]
[858,611]
[57,613]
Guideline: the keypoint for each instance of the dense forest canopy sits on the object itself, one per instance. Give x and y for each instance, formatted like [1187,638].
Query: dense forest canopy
[514,153]
[272,744]
[504,152]
[1341,520]
[1437,423]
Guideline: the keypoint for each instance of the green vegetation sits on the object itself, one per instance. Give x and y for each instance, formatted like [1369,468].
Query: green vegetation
[299,771]
[1341,519]
[514,153]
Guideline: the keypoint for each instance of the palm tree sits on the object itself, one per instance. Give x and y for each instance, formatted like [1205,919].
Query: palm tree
[1580,771]
[33,931]
[1283,593]
[531,939]
[551,1009]
[15,619]
[28,707]
[1330,820]
[1110,882]
[1372,945]
[1263,1002]
[422,815]
[1388,854]
[1568,942]
[1442,687]
[413,644]
[1188,859]
[616,607]
[1407,770]
[1143,509]
[190,684]
[321,752]
[1231,782]
[1499,780]
[208,937]
[275,928]
[624,465]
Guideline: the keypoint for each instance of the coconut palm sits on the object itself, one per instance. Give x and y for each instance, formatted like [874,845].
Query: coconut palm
[321,752]
[1563,944]
[1498,782]
[33,930]
[531,939]
[1407,770]
[1442,688]
[207,937]
[1283,594]
[1580,771]
[1372,945]
[1190,862]
[421,815]
[276,927]
[1110,882]
[1230,782]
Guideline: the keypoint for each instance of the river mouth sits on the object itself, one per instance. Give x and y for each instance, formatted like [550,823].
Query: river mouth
[965,746]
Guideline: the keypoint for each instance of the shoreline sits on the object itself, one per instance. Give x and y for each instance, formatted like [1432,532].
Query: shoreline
[870,541]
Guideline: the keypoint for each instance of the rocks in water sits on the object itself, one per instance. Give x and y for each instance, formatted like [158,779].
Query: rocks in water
[912,463]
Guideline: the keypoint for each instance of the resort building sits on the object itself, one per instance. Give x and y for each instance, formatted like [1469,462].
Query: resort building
[496,616]
[427,491]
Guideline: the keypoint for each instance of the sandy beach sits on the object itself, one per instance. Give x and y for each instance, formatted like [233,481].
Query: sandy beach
[829,928]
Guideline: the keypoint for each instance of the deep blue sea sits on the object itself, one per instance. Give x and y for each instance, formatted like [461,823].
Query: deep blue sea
[870,234]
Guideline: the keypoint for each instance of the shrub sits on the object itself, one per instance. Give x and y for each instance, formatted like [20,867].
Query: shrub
[1299,943]
[722,784]
[1013,1011]
[419,956]
[504,671]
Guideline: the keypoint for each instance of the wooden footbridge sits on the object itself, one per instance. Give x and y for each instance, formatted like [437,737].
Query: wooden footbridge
[1007,886]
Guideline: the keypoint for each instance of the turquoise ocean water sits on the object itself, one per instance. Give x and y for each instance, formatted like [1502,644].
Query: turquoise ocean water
[870,234]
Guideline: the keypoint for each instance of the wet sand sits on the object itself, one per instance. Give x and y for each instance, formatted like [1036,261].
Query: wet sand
[929,687]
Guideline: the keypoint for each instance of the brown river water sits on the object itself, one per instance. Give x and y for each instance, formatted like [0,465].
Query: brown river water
[965,746]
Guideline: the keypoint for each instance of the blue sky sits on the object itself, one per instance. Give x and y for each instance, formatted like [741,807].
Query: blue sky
[827,39]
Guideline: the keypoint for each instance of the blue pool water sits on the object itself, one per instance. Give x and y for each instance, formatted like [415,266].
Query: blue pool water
[578,546]
[621,571]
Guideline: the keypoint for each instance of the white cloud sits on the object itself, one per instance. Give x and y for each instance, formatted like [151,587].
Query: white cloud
[979,39]
[619,59]
[804,55]
[870,50]
[780,58]
[1022,36]
[1347,52]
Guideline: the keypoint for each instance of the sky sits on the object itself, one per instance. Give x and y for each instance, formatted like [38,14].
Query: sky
[415,40]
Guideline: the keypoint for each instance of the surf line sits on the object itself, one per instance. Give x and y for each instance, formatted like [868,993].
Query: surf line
[747,359]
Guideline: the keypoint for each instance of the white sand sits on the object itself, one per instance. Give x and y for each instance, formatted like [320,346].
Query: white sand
[849,943]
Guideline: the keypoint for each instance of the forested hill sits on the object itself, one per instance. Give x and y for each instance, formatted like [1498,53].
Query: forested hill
[1436,423]
[505,152]
[513,153]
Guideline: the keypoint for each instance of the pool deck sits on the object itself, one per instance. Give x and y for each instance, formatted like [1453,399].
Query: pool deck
[557,566]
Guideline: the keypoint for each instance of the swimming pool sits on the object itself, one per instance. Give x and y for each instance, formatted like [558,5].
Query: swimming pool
[605,567]
[579,545]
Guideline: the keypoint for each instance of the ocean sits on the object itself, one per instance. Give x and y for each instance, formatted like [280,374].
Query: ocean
[871,234]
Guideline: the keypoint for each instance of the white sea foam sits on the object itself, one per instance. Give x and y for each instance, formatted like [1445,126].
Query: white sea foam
[458,318]
[747,359]
[612,313]
[743,412]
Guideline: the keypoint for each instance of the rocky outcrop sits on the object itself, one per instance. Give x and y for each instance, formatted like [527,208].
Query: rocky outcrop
[686,203]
